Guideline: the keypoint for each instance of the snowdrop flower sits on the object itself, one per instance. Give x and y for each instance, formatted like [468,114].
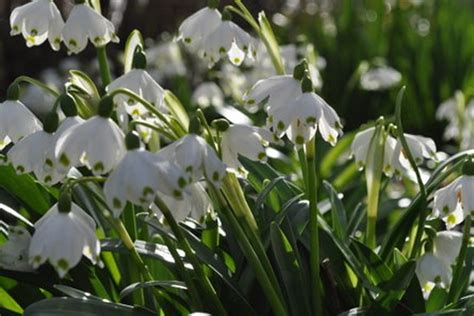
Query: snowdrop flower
[97,143]
[85,23]
[140,175]
[395,161]
[194,204]
[227,39]
[167,59]
[244,140]
[197,158]
[277,91]
[360,147]
[16,122]
[447,245]
[380,78]
[207,94]
[199,25]
[455,201]
[140,82]
[420,147]
[38,21]
[62,236]
[431,272]
[34,153]
[14,253]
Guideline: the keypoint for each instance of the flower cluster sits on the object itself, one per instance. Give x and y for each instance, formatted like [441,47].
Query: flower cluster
[40,20]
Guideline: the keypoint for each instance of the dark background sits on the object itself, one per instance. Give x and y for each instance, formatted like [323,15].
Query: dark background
[430,42]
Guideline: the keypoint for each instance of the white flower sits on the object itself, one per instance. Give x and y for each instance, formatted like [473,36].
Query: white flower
[360,147]
[16,122]
[140,82]
[207,94]
[167,59]
[62,238]
[279,90]
[380,78]
[194,204]
[97,143]
[14,253]
[227,39]
[139,176]
[301,118]
[395,160]
[244,140]
[197,158]
[432,272]
[83,24]
[38,21]
[33,154]
[455,201]
[198,26]
[420,147]
[447,245]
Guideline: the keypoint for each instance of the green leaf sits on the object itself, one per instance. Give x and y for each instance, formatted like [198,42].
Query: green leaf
[25,189]
[177,109]
[6,209]
[81,307]
[134,40]
[143,285]
[290,269]
[358,311]
[338,214]
[356,218]
[75,293]
[451,312]
[8,302]
[376,267]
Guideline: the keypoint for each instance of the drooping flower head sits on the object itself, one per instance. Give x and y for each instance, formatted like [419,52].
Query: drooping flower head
[454,202]
[38,21]
[83,24]
[97,143]
[14,253]
[62,236]
[140,175]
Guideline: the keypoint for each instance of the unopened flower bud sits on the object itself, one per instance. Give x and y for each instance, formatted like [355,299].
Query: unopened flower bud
[195,126]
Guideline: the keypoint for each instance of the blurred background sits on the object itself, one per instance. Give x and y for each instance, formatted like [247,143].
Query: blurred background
[428,42]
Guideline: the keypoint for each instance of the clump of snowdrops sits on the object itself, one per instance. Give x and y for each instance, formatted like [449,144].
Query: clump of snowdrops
[130,203]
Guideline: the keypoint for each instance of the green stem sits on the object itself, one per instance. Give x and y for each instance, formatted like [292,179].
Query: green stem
[456,284]
[210,295]
[150,107]
[153,127]
[104,66]
[37,83]
[250,253]
[311,192]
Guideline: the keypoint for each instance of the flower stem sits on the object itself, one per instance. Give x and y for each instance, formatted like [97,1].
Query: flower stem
[456,284]
[179,131]
[104,66]
[210,295]
[311,192]
[261,272]
[37,83]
